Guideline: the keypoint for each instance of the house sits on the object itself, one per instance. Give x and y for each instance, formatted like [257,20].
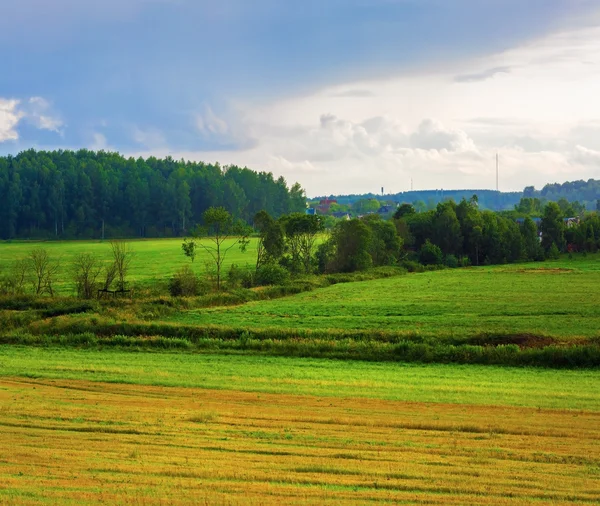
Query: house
[341,215]
[311,211]
[325,204]
[386,209]
[571,222]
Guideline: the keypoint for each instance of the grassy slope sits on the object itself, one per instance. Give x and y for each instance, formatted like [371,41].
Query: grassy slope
[555,298]
[154,258]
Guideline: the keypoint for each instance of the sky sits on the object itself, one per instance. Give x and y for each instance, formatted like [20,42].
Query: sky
[343,96]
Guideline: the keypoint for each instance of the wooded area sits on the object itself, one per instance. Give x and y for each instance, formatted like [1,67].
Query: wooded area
[87,194]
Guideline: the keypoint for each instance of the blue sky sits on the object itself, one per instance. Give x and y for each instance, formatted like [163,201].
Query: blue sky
[254,83]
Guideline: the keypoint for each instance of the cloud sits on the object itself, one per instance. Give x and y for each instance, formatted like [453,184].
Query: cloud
[9,119]
[38,112]
[586,156]
[99,142]
[149,138]
[432,134]
[354,93]
[482,76]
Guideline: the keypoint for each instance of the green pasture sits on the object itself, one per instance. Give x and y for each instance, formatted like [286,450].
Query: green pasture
[558,299]
[154,259]
[576,389]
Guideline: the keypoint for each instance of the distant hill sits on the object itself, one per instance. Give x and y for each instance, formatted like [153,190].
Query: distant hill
[585,192]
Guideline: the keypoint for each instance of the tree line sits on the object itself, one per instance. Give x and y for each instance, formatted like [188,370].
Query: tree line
[87,194]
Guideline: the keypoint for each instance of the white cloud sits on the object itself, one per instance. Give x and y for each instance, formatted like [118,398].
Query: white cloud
[537,105]
[39,113]
[149,138]
[9,119]
[99,142]
[586,156]
[36,111]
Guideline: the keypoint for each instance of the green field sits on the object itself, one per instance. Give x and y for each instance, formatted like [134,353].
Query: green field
[555,299]
[154,259]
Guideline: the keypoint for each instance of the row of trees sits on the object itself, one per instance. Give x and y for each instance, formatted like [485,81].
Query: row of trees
[38,273]
[87,194]
[452,234]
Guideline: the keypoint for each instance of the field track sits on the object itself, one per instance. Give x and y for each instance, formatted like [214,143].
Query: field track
[77,442]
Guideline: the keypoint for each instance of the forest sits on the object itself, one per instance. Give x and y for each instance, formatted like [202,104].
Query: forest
[95,195]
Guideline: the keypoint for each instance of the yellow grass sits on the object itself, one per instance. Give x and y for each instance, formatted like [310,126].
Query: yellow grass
[78,442]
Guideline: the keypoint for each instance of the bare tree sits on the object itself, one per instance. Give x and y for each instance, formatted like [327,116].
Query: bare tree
[122,256]
[86,269]
[110,273]
[14,280]
[43,270]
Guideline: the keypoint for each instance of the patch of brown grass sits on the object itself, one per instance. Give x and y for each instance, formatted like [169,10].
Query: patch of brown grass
[83,442]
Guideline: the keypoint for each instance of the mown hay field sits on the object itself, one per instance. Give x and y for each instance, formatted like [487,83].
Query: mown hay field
[153,259]
[83,427]
[558,299]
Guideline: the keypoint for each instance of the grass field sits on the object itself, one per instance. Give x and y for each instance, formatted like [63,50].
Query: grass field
[83,427]
[154,259]
[558,299]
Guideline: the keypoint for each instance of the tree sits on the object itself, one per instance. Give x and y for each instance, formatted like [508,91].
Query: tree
[365,206]
[44,270]
[122,257]
[271,240]
[404,210]
[189,248]
[553,228]
[351,240]
[430,254]
[301,233]
[531,240]
[446,229]
[86,269]
[385,244]
[13,282]
[222,234]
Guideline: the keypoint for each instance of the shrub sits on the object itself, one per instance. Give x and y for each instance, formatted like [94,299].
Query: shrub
[553,253]
[412,266]
[430,254]
[271,274]
[451,261]
[184,283]
[237,277]
[464,261]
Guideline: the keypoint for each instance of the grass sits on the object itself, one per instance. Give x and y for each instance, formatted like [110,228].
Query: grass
[559,300]
[83,427]
[467,384]
[155,259]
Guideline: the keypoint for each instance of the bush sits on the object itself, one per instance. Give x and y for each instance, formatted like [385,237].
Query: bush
[238,277]
[412,266]
[464,262]
[271,274]
[184,283]
[451,261]
[553,253]
[430,254]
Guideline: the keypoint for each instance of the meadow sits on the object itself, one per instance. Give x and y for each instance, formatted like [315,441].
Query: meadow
[542,299]
[84,427]
[154,260]
[541,314]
